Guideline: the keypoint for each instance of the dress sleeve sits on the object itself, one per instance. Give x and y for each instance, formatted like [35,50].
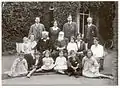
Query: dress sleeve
[34,44]
[43,28]
[52,60]
[30,31]
[14,64]
[25,63]
[83,61]
[95,62]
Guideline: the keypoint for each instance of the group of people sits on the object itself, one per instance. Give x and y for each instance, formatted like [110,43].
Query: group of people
[63,51]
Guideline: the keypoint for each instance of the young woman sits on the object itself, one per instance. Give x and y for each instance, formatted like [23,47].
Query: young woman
[81,46]
[72,45]
[60,63]
[74,65]
[19,67]
[54,31]
[91,66]
[98,52]
[29,51]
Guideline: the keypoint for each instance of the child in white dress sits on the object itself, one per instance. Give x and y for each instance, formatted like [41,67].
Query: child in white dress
[19,67]
[60,63]
[48,62]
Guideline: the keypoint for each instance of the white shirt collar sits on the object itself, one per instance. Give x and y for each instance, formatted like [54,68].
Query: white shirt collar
[55,28]
[89,25]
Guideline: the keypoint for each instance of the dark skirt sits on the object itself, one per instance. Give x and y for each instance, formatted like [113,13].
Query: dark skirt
[30,60]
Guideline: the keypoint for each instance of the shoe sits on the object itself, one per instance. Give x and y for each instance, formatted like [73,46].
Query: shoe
[61,72]
[28,76]
[76,76]
[69,74]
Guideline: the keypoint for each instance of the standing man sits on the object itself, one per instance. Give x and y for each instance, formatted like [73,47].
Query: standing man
[36,29]
[91,31]
[70,28]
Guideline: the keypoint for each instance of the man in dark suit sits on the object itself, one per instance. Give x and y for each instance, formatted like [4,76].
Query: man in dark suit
[90,32]
[70,28]
[36,29]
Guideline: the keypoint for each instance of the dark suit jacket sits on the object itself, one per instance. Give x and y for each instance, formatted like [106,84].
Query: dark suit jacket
[82,46]
[70,29]
[37,30]
[44,45]
[90,32]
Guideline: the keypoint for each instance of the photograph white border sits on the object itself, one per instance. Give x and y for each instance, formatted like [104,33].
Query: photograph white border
[58,86]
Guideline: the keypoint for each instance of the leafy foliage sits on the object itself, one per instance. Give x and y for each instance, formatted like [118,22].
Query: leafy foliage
[17,17]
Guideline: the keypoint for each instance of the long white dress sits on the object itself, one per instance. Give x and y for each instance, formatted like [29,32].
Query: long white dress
[90,67]
[60,63]
[18,68]
[47,63]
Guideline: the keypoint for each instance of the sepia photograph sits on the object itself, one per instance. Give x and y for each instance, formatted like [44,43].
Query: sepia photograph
[58,43]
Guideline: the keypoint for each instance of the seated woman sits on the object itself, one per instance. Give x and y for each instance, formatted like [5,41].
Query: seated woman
[60,63]
[44,43]
[98,52]
[29,49]
[72,45]
[81,46]
[74,65]
[19,67]
[48,62]
[91,66]
[61,44]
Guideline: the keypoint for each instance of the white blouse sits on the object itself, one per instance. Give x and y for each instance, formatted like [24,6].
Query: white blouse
[98,50]
[72,46]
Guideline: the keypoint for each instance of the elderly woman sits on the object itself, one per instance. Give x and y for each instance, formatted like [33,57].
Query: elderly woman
[60,44]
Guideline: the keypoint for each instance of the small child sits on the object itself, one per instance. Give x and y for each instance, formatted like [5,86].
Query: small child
[19,67]
[60,63]
[47,62]
[74,65]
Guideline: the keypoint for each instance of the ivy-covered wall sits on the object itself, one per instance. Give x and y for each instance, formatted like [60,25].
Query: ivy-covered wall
[17,17]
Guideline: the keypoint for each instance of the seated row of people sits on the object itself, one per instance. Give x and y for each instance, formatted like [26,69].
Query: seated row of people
[30,47]
[88,66]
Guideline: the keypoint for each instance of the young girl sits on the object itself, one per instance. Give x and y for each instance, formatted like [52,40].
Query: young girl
[74,65]
[47,62]
[72,45]
[19,67]
[60,63]
[91,66]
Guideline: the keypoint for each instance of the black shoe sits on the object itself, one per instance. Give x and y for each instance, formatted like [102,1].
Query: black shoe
[69,74]
[76,76]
